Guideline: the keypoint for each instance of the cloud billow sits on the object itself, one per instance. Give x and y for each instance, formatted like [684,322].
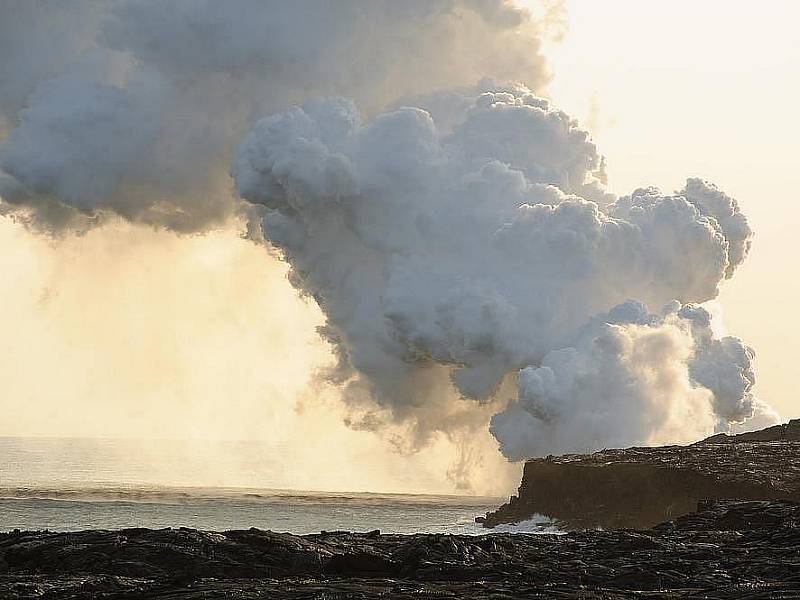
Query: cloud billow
[493,251]
[472,266]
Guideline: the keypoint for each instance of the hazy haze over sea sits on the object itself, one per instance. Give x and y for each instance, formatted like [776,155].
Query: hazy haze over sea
[67,484]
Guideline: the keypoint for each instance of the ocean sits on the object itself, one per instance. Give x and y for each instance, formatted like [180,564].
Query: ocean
[69,485]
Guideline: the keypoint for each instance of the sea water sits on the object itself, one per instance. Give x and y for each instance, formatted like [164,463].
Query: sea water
[69,485]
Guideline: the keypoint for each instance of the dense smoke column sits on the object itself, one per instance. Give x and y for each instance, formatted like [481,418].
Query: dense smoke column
[459,238]
[133,108]
[489,250]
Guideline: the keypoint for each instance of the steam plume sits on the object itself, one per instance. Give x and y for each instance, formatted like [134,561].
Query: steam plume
[491,251]
[470,262]
[137,112]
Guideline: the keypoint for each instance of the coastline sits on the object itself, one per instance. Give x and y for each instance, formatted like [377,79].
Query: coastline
[724,550]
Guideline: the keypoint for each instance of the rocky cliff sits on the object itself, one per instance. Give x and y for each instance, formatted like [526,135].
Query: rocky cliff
[640,487]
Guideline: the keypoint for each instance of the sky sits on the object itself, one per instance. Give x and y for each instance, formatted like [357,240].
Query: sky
[708,89]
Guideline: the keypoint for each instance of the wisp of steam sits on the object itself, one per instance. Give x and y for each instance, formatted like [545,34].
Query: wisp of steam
[453,226]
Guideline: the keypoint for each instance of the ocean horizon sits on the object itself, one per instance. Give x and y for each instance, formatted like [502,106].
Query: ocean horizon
[71,484]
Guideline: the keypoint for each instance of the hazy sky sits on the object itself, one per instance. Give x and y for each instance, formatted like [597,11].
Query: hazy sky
[708,89]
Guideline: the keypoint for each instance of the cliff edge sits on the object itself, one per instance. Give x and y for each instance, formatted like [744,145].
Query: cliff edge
[641,487]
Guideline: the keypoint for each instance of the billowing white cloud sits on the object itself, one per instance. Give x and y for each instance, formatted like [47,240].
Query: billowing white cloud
[621,384]
[75,141]
[458,236]
[134,106]
[471,249]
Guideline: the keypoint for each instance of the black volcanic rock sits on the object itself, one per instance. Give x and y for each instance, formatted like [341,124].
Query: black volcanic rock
[640,487]
[726,550]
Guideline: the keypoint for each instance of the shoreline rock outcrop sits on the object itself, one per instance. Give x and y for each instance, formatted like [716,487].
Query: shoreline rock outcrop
[641,487]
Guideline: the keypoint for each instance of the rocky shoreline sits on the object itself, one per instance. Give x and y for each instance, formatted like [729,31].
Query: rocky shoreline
[641,487]
[719,519]
[725,550]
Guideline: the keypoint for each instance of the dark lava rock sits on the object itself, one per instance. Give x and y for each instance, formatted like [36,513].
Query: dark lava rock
[725,550]
[640,487]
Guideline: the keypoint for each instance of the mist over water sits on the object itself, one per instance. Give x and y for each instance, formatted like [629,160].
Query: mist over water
[74,484]
[86,464]
[217,511]
[132,359]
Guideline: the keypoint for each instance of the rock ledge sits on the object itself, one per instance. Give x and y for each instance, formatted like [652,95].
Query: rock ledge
[640,487]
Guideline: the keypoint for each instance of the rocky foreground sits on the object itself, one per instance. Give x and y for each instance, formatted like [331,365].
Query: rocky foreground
[640,487]
[725,550]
